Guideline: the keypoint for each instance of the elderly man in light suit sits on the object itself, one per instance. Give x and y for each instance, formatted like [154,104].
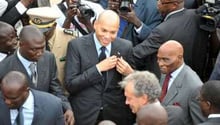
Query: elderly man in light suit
[183,83]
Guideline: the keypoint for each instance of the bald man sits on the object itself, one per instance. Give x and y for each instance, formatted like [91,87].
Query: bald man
[20,99]
[106,122]
[93,82]
[8,40]
[182,81]
[152,114]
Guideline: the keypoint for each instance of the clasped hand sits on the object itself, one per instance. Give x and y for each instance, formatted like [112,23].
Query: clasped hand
[111,62]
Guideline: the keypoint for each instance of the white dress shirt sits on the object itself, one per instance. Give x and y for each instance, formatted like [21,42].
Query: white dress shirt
[28,110]
[174,75]
[26,63]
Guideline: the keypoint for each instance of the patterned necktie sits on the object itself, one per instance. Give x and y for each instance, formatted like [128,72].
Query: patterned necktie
[165,87]
[33,73]
[102,56]
[20,117]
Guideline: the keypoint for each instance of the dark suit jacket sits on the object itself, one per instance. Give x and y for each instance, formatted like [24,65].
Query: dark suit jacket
[211,121]
[182,26]
[215,75]
[11,15]
[47,110]
[184,92]
[147,12]
[83,82]
[47,74]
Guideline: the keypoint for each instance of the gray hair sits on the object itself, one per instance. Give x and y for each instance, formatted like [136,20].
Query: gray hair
[144,82]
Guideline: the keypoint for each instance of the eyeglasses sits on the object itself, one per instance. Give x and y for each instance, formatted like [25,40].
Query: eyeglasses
[168,2]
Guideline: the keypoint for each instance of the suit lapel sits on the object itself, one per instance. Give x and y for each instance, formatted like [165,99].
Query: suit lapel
[174,89]
[90,50]
[19,67]
[37,110]
[41,71]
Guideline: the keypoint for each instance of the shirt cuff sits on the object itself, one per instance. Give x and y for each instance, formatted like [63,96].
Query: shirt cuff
[21,8]
[3,7]
[138,30]
[98,70]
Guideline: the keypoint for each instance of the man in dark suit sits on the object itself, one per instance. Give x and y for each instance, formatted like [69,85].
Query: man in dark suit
[210,102]
[142,88]
[15,10]
[180,86]
[43,76]
[27,106]
[93,82]
[179,24]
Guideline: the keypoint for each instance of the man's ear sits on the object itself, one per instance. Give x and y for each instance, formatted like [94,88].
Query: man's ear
[144,99]
[95,24]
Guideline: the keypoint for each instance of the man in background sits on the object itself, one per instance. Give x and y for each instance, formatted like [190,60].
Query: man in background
[179,82]
[28,106]
[209,102]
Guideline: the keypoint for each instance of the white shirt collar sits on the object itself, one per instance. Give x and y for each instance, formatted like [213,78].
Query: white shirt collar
[174,75]
[26,63]
[177,71]
[29,102]
[98,46]
[214,116]
[2,56]
[173,12]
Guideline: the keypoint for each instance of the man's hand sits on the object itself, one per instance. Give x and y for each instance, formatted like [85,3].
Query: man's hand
[123,67]
[68,117]
[107,64]
[131,17]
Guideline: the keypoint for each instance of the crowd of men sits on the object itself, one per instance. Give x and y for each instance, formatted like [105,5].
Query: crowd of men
[107,62]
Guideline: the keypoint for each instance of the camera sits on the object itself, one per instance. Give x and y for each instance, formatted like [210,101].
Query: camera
[84,9]
[125,6]
[210,15]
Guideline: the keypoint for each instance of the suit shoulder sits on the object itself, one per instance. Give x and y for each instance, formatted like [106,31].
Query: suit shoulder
[45,97]
[123,42]
[191,76]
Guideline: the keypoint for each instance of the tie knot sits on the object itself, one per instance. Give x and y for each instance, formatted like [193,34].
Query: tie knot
[103,48]
[32,66]
[168,75]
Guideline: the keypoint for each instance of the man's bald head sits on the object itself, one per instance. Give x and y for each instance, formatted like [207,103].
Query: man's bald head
[14,79]
[106,27]
[30,33]
[152,114]
[172,47]
[170,56]
[14,87]
[109,16]
[106,122]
